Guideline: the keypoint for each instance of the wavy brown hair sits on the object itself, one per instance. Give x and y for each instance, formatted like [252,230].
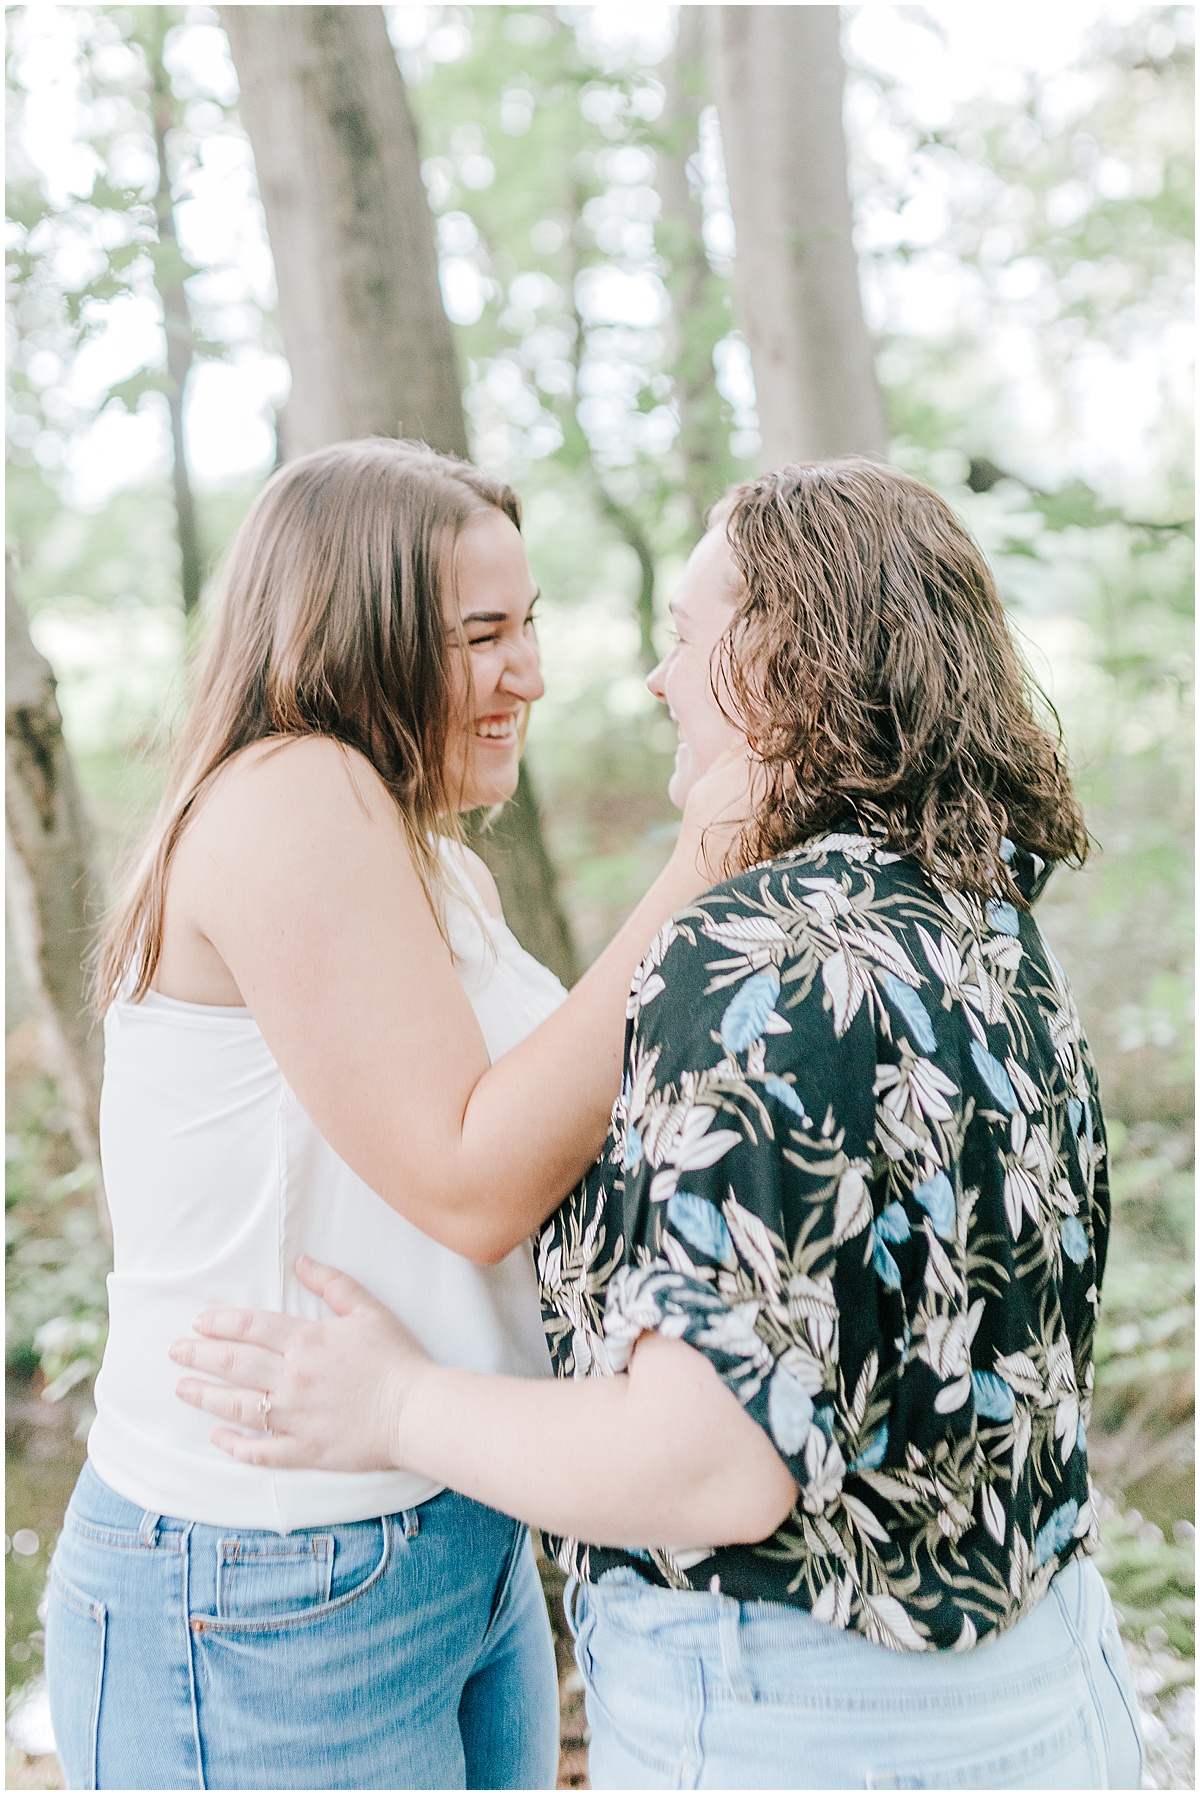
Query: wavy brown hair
[872,668]
[332,624]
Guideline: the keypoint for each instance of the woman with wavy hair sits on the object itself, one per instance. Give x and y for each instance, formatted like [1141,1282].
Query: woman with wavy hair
[320,1037]
[822,1312]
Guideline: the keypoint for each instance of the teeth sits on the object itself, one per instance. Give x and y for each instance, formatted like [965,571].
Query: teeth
[496,731]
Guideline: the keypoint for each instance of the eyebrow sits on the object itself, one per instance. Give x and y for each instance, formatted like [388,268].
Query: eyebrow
[498,616]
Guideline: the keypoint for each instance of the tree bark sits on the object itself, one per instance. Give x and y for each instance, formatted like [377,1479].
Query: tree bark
[698,299]
[631,531]
[779,80]
[169,278]
[515,850]
[335,147]
[367,338]
[51,885]
[624,520]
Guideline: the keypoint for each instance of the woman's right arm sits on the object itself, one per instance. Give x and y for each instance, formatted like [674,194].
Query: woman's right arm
[300,876]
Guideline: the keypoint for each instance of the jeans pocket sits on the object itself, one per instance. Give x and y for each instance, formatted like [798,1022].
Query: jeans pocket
[75,1637]
[1061,1756]
[272,1582]
[261,1578]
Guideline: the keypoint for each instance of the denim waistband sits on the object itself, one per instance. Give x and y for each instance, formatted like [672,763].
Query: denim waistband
[688,1623]
[97,1509]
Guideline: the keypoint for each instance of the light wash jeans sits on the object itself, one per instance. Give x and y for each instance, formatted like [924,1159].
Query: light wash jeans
[408,1652]
[695,1691]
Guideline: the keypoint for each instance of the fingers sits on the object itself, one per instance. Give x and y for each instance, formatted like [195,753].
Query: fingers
[243,1407]
[259,1327]
[277,1451]
[251,1366]
[337,1289]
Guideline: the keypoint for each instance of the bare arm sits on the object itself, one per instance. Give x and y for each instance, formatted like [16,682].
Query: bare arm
[298,873]
[662,1456]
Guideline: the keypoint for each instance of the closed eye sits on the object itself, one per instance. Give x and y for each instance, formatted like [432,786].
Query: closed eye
[502,618]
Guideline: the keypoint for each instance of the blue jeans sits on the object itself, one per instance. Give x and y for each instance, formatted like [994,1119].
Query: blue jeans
[695,1691]
[412,1651]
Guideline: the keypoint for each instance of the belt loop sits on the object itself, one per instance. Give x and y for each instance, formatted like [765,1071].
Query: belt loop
[148,1531]
[729,1618]
[411,1520]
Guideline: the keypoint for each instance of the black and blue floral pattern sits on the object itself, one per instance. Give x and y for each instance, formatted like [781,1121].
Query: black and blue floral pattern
[858,1162]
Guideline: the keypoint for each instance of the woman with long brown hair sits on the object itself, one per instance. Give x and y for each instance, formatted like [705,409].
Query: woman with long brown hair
[826,1301]
[320,1037]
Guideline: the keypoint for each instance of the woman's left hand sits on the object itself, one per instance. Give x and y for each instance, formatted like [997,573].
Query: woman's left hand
[327,1395]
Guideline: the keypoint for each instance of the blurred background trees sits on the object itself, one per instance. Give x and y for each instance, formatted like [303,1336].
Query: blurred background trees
[632,270]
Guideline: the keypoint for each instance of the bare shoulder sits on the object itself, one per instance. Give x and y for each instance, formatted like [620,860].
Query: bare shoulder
[304,805]
[480,875]
[311,775]
[307,765]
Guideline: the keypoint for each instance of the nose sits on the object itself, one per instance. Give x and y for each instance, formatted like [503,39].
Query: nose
[654,680]
[523,675]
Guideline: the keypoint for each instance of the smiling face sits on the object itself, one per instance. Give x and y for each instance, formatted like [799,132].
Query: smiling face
[502,677]
[702,610]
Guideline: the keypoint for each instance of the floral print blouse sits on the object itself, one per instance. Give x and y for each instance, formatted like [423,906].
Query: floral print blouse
[858,1162]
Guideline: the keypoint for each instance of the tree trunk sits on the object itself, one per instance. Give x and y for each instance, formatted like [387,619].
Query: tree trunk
[631,531]
[51,885]
[622,517]
[515,850]
[366,336]
[169,278]
[335,147]
[779,79]
[698,296]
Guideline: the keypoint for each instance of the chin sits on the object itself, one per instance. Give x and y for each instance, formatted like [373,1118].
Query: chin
[498,788]
[682,779]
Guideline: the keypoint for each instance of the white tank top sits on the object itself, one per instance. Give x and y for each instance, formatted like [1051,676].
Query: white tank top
[217,1180]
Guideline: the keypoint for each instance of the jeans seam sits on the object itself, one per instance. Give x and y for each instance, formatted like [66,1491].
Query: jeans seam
[1131,1715]
[78,1599]
[504,1586]
[94,1723]
[119,1539]
[695,1762]
[189,1635]
[64,1593]
[1089,1679]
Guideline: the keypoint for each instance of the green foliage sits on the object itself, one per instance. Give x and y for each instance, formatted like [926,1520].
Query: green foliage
[126,551]
[56,1258]
[77,254]
[1152,1578]
[539,165]
[1066,208]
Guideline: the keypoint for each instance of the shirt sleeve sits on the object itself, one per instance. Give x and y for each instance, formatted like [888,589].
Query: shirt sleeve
[749,1224]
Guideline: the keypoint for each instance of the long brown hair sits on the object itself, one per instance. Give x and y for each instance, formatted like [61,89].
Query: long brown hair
[871,666]
[331,624]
